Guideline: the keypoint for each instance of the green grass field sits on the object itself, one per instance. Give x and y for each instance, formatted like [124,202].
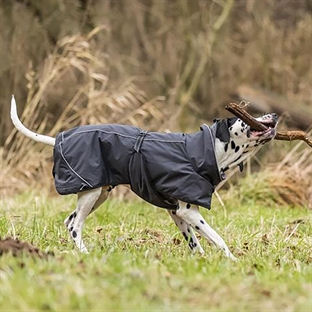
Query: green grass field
[138,261]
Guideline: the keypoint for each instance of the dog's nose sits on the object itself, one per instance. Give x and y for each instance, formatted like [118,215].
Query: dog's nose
[275,117]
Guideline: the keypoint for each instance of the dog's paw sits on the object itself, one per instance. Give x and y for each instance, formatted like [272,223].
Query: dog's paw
[232,257]
[84,250]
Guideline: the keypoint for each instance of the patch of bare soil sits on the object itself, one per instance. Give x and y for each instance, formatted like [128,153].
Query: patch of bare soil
[18,248]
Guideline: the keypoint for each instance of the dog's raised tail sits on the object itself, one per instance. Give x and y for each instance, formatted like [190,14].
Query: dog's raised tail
[21,128]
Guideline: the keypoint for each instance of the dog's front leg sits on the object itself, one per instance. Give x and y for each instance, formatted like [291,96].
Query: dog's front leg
[187,232]
[191,215]
[74,223]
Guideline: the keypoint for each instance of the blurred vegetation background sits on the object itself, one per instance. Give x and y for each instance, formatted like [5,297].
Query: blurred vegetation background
[154,63]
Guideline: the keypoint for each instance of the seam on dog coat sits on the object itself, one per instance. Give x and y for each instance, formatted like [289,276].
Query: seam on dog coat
[161,168]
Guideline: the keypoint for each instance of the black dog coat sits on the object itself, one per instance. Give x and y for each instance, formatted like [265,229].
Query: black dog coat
[160,167]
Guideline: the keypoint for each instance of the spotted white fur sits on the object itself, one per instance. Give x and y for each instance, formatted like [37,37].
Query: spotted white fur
[243,142]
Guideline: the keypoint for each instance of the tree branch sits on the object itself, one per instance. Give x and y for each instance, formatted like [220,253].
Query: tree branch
[239,111]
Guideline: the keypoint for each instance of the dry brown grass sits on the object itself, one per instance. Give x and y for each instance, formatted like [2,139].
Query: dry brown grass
[288,182]
[291,179]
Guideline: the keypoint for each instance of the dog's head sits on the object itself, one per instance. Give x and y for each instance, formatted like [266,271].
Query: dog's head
[235,140]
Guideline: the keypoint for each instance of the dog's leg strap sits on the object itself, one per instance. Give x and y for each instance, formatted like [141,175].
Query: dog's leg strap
[191,215]
[187,232]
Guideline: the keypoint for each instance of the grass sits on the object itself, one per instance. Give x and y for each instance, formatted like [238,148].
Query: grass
[138,261]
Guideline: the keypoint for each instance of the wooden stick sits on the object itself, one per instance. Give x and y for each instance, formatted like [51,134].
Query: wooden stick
[240,112]
[293,135]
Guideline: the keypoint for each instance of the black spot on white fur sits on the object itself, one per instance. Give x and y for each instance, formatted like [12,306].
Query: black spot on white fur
[233,145]
[73,216]
[192,245]
[237,159]
[224,169]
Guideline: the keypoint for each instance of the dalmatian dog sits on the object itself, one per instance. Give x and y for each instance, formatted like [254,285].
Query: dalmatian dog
[175,171]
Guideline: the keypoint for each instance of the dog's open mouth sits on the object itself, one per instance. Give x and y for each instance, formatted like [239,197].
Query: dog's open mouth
[269,132]
[270,123]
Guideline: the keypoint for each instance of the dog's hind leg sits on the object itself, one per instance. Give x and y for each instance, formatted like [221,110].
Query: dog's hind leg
[191,215]
[187,232]
[104,194]
[88,201]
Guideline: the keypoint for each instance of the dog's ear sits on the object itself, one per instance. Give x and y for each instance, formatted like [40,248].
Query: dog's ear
[223,132]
